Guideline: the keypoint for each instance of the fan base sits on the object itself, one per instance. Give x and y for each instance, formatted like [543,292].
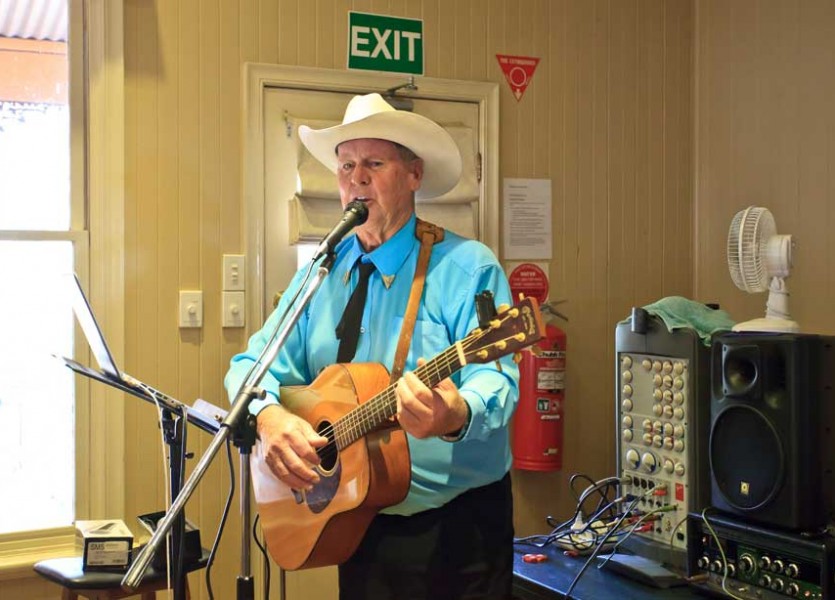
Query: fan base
[768,324]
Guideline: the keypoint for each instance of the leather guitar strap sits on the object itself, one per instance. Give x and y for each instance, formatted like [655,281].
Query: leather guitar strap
[429,235]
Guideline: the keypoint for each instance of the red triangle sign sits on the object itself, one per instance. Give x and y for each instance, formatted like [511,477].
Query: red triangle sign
[518,70]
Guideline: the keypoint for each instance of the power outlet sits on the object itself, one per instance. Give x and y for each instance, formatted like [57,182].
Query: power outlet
[234,309]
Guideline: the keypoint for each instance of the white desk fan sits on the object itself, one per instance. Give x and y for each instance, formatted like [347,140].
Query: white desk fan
[760,260]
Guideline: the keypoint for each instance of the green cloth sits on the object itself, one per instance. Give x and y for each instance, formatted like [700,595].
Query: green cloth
[679,313]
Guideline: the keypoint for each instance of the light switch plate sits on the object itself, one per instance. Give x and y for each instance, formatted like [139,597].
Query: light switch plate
[233,272]
[191,308]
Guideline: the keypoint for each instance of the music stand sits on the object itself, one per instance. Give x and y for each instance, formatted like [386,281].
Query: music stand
[174,416]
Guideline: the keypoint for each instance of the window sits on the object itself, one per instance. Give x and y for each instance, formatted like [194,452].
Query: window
[68,230]
[37,245]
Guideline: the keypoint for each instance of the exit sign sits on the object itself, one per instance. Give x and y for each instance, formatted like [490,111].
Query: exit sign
[383,43]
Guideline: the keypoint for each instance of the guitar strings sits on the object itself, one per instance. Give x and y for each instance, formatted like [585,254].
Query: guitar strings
[356,423]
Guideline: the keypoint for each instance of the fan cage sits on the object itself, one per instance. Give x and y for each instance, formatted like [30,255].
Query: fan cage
[747,242]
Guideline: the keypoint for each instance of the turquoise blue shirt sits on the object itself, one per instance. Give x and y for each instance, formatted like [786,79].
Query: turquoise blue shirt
[459,269]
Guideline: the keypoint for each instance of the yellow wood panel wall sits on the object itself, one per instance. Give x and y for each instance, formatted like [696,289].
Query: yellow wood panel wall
[607,117]
[766,132]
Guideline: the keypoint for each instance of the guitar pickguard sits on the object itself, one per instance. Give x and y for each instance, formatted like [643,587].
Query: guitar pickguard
[323,492]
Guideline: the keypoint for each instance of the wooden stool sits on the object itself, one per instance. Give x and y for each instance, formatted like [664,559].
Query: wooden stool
[102,585]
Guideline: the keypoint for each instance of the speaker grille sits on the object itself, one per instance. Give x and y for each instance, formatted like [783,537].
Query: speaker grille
[746,457]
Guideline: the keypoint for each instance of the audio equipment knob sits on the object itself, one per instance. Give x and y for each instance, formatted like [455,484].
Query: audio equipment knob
[678,383]
[633,459]
[627,421]
[667,381]
[627,390]
[626,362]
[793,589]
[657,441]
[716,566]
[656,395]
[666,396]
[731,570]
[679,469]
[649,462]
[647,425]
[656,409]
[647,438]
[669,467]
[678,412]
[778,585]
[792,570]
[678,368]
[667,411]
[764,580]
[678,431]
[627,435]
[678,445]
[646,364]
[765,562]
[668,443]
[656,366]
[703,562]
[777,566]
[656,381]
[746,564]
[678,398]
[627,405]
[657,426]
[667,366]
[669,430]
[627,376]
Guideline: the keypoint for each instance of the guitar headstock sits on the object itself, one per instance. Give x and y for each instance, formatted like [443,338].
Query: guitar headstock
[511,330]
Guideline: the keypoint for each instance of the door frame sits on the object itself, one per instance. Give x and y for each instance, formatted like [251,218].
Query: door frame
[259,78]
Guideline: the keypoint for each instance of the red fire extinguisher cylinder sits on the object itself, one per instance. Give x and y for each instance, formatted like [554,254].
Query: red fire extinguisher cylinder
[538,422]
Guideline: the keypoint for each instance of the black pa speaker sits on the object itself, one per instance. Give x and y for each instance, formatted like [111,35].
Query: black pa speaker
[771,417]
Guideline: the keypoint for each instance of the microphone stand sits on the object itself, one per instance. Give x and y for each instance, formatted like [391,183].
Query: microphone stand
[239,423]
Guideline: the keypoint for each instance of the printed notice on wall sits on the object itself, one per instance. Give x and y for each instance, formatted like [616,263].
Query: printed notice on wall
[527,219]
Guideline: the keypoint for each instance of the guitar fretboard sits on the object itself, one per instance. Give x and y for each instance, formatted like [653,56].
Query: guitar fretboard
[371,414]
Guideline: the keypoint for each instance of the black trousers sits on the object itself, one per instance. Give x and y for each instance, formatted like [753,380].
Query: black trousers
[462,550]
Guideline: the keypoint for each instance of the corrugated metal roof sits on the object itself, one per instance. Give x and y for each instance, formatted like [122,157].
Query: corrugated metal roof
[34,19]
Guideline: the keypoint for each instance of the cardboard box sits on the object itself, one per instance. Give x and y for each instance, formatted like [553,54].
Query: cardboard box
[106,544]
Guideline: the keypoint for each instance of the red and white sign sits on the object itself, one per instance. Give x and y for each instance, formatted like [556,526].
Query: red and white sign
[530,280]
[518,70]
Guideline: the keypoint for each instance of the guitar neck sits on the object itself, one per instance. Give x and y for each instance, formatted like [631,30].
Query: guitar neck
[371,414]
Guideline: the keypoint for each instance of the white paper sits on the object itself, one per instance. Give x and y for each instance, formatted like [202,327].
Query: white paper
[527,219]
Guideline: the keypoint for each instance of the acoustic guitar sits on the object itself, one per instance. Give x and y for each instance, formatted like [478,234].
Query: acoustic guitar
[365,465]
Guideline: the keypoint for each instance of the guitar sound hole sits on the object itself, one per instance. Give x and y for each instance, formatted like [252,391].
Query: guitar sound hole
[328,454]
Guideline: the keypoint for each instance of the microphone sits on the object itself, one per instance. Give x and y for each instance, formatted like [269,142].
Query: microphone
[356,213]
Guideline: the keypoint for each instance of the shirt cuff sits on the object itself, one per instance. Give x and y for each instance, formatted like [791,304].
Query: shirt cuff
[456,436]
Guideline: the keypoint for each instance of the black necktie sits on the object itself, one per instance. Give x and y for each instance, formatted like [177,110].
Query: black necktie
[348,329]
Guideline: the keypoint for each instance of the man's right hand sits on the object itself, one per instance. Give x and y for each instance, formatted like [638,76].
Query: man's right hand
[289,446]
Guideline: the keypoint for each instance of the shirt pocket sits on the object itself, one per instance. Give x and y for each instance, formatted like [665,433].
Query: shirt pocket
[428,341]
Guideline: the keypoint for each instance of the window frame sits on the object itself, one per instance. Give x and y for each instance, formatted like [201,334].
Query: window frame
[96,97]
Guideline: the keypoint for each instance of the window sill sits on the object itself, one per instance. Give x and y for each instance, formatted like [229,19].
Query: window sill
[20,551]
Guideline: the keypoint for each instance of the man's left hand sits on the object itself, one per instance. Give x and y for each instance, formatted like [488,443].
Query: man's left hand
[425,412]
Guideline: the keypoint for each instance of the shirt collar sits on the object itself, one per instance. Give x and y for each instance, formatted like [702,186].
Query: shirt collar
[389,258]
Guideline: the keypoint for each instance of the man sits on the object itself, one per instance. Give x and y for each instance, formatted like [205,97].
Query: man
[452,536]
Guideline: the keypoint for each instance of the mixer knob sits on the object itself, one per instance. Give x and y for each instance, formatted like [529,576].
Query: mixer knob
[646,364]
[678,398]
[633,459]
[627,376]
[678,368]
[679,470]
[668,465]
[627,390]
[649,462]
[627,405]
[666,367]
[627,435]
[626,362]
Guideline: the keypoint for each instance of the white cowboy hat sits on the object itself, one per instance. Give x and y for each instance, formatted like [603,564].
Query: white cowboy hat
[370,116]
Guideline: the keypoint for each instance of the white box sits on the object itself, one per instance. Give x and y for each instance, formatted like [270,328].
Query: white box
[106,544]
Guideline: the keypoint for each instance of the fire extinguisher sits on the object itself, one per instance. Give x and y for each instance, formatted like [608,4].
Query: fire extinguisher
[538,422]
